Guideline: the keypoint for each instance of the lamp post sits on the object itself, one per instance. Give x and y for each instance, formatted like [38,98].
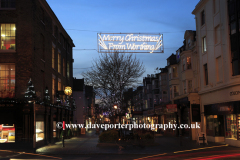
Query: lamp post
[30,95]
[68,92]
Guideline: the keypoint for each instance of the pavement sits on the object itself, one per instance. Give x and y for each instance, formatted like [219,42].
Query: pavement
[87,145]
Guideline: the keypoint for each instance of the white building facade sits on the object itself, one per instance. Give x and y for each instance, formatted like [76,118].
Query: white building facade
[218,33]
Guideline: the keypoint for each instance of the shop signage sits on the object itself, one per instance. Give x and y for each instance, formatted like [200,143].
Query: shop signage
[171,107]
[130,43]
[233,93]
[150,112]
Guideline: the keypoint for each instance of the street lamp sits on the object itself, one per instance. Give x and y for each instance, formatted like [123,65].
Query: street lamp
[68,92]
[30,95]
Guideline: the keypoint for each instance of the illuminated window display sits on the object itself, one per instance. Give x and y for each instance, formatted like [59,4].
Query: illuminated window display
[54,129]
[8,36]
[231,126]
[7,133]
[39,130]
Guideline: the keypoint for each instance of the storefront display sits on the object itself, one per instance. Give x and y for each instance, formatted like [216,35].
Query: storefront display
[54,129]
[39,130]
[231,126]
[7,133]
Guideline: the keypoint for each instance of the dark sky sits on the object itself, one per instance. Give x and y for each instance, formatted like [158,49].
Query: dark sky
[83,19]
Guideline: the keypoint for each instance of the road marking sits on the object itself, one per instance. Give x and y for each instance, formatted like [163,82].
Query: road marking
[31,154]
[200,148]
[151,156]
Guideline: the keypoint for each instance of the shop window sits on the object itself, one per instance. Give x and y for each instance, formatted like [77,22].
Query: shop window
[39,130]
[231,126]
[8,36]
[7,80]
[215,125]
[7,4]
[54,129]
[7,133]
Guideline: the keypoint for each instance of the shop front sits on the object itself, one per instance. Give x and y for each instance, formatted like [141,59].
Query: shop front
[170,117]
[223,122]
[7,133]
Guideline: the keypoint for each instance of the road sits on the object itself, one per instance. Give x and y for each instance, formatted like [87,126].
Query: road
[86,147]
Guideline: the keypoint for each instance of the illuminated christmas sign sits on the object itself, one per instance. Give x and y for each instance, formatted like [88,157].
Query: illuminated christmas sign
[130,43]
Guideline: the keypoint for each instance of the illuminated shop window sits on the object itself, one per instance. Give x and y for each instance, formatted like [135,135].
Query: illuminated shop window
[54,129]
[7,133]
[7,80]
[39,131]
[231,130]
[8,36]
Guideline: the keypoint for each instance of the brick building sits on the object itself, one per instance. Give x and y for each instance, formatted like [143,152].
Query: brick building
[35,46]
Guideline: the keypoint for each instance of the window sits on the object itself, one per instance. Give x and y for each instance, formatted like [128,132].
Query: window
[64,68]
[176,92]
[205,73]
[59,62]
[189,65]
[43,47]
[189,85]
[170,77]
[235,67]
[217,34]
[53,56]
[53,88]
[7,4]
[7,133]
[39,130]
[204,44]
[233,27]
[189,42]
[42,15]
[7,80]
[175,74]
[183,64]
[219,69]
[68,74]
[184,87]
[231,123]
[8,36]
[216,5]
[59,84]
[203,17]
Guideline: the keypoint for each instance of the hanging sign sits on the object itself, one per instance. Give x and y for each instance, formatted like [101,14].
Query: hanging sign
[130,43]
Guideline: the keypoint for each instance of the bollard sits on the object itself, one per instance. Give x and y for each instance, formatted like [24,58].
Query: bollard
[203,140]
[63,141]
[180,136]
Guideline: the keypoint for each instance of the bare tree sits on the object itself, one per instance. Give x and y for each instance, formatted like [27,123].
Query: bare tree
[111,74]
